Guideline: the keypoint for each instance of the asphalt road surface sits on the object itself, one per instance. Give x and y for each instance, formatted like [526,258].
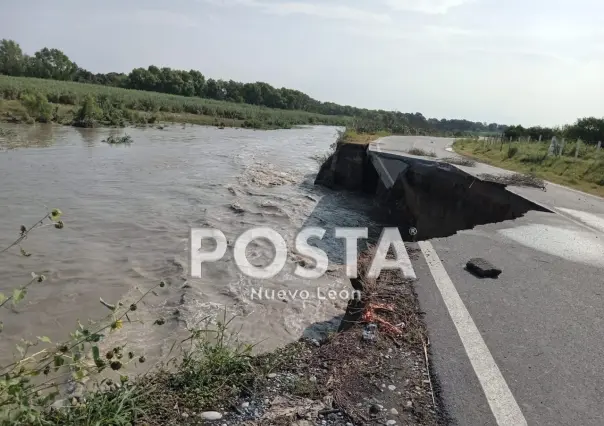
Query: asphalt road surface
[528,347]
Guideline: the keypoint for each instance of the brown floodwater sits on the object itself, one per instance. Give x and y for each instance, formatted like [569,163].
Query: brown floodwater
[128,211]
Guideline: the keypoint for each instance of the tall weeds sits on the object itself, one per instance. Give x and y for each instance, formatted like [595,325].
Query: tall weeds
[206,367]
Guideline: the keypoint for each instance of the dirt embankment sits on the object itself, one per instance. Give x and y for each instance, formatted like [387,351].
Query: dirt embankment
[373,371]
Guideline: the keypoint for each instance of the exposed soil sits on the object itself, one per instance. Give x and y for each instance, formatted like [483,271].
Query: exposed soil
[373,372]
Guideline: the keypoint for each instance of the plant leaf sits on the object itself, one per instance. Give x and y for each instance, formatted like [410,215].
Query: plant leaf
[18,295]
[24,253]
[107,305]
[2,298]
[55,214]
[58,361]
[44,339]
[96,354]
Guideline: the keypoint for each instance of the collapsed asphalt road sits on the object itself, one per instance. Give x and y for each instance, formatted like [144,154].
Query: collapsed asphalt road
[524,348]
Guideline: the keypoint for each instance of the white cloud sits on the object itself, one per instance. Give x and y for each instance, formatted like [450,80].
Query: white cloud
[426,6]
[327,11]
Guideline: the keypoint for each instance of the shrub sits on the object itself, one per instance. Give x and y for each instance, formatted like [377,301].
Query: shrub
[252,124]
[37,106]
[88,114]
[512,151]
[534,158]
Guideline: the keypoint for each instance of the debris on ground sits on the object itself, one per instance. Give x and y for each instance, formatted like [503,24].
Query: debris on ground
[119,140]
[459,161]
[374,373]
[482,268]
[236,207]
[515,179]
[421,152]
[370,333]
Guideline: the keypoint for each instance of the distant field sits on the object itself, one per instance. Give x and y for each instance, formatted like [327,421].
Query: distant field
[585,173]
[179,108]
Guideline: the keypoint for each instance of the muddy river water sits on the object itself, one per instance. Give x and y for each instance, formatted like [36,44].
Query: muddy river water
[128,211]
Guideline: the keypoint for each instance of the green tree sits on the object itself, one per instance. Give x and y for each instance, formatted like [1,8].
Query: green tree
[588,129]
[52,64]
[214,90]
[12,60]
[198,81]
[141,79]
[233,91]
[252,94]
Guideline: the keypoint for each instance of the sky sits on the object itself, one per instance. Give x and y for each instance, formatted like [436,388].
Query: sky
[529,62]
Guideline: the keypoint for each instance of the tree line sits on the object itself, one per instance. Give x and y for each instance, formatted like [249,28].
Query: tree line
[54,64]
[589,129]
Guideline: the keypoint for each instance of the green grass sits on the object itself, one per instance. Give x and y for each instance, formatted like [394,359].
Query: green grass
[352,136]
[210,370]
[167,107]
[585,173]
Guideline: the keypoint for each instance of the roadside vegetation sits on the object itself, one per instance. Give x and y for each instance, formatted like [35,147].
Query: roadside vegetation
[582,170]
[588,129]
[84,380]
[87,105]
[351,135]
[188,96]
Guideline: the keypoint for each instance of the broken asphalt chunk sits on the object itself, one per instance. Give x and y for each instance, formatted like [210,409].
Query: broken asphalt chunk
[482,268]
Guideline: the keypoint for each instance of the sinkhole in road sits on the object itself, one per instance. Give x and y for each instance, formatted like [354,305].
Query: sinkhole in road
[436,200]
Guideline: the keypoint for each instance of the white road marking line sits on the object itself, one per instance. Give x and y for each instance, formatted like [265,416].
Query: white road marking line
[498,394]
[379,149]
[594,222]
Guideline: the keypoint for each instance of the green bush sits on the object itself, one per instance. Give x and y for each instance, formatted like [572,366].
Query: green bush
[512,151]
[89,113]
[37,106]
